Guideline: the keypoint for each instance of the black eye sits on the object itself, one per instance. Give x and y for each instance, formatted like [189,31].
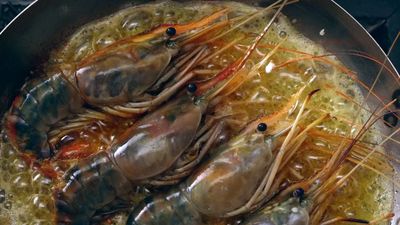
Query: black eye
[191,88]
[298,193]
[262,127]
[171,31]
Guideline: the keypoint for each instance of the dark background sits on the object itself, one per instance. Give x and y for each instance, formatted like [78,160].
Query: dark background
[380,17]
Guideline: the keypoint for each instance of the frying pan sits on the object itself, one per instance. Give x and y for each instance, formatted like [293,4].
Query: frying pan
[27,40]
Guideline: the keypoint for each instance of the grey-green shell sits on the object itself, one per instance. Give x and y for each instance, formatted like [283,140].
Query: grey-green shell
[290,212]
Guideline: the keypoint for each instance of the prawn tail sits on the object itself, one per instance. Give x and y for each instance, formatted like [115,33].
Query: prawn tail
[90,186]
[40,104]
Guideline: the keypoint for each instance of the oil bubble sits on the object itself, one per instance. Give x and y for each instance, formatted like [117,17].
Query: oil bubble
[7,205]
[282,34]
[137,22]
[21,182]
[322,32]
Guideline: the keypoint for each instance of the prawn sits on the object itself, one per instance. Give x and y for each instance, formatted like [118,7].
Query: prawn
[308,200]
[121,73]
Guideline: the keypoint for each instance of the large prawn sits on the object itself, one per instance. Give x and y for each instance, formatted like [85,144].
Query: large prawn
[159,149]
[310,198]
[122,73]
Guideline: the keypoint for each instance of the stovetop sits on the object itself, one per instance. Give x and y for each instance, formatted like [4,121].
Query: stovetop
[381,18]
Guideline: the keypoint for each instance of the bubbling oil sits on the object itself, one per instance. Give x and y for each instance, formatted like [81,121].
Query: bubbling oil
[26,192]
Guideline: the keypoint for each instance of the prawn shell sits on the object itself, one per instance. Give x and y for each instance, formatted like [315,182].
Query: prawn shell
[290,212]
[124,75]
[228,181]
[95,174]
[41,103]
[153,144]
[172,208]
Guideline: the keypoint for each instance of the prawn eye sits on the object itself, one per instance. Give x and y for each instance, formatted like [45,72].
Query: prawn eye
[171,31]
[298,193]
[262,127]
[191,88]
